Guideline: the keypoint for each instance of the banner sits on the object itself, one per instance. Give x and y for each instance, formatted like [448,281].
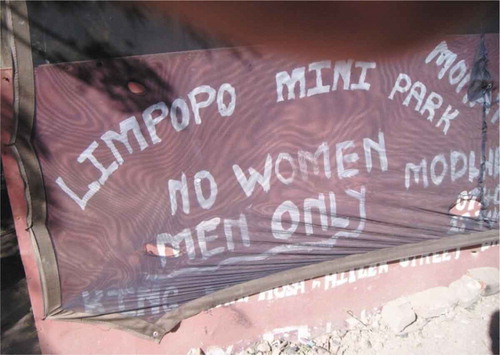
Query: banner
[171,176]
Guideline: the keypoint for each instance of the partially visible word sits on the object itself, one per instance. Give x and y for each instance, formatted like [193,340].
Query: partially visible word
[130,302]
[458,72]
[336,280]
[298,288]
[428,259]
[458,165]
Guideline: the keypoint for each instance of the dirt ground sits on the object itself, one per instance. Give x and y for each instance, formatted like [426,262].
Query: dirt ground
[461,331]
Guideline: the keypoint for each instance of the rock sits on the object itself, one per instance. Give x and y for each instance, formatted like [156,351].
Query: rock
[213,350]
[322,340]
[367,344]
[319,351]
[247,351]
[264,347]
[291,350]
[363,317]
[278,346]
[307,342]
[467,290]
[342,349]
[433,302]
[398,314]
[339,333]
[304,349]
[334,345]
[488,277]
[352,323]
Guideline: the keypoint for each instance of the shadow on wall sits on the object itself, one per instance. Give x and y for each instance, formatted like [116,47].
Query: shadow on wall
[106,33]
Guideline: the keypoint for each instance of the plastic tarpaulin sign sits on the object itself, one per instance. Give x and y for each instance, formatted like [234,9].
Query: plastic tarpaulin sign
[170,177]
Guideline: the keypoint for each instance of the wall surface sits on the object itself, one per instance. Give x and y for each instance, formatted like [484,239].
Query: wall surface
[300,310]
